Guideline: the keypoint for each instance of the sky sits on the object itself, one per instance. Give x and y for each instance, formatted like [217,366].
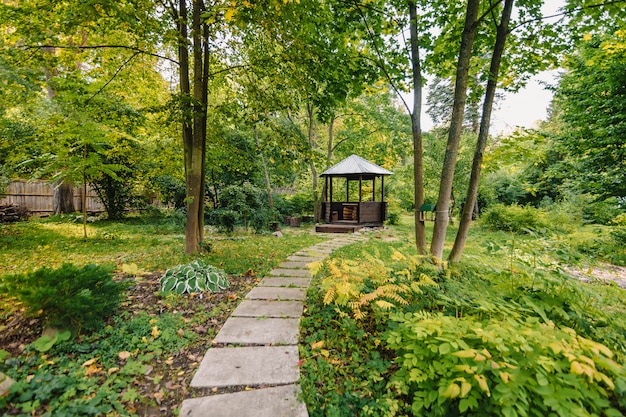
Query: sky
[526,107]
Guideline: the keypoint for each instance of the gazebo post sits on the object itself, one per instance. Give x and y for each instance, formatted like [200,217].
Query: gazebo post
[360,188]
[382,188]
[374,189]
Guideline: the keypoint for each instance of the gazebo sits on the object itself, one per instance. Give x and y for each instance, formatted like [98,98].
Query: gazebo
[361,202]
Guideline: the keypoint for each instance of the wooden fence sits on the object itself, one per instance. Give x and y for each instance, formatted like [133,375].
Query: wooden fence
[38,197]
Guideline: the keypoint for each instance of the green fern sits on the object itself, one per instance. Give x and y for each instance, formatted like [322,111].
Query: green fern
[369,283]
[196,276]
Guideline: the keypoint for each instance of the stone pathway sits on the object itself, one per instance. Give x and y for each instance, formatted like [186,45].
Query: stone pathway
[259,346]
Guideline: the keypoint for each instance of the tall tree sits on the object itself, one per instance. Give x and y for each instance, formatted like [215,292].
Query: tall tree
[456,124]
[472,191]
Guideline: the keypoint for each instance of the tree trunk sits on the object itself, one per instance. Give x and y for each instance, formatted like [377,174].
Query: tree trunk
[311,135]
[63,200]
[456,127]
[472,190]
[416,130]
[191,229]
[195,174]
[266,174]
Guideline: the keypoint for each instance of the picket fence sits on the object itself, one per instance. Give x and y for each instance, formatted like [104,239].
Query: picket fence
[38,197]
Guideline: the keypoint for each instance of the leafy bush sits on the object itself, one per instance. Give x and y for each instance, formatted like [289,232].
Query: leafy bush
[244,204]
[171,189]
[600,212]
[196,276]
[506,368]
[224,219]
[514,218]
[68,297]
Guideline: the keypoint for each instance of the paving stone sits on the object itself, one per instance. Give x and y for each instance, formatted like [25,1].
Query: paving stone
[297,282]
[290,272]
[262,365]
[259,331]
[263,308]
[293,265]
[276,293]
[305,258]
[266,402]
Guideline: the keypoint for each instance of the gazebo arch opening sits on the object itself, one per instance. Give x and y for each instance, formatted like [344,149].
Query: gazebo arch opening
[354,194]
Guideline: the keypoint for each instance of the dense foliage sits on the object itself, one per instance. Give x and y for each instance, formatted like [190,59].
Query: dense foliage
[508,334]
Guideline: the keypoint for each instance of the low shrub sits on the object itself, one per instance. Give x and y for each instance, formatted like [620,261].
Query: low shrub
[514,218]
[506,368]
[69,297]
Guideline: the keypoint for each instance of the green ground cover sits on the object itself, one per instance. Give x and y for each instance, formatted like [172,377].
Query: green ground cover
[505,332]
[140,360]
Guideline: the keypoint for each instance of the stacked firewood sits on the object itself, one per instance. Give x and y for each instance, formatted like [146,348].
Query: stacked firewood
[12,213]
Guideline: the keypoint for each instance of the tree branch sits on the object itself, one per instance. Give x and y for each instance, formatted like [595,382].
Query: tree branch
[113,77]
[568,12]
[132,48]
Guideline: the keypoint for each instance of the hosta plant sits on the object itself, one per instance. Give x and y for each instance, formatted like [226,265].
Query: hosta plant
[197,276]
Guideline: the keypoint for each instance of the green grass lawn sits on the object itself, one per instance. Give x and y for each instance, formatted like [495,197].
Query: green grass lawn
[153,244]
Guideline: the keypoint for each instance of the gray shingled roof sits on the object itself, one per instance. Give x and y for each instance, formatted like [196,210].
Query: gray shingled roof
[355,165]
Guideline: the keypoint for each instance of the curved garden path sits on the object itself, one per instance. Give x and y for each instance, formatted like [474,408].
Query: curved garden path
[254,357]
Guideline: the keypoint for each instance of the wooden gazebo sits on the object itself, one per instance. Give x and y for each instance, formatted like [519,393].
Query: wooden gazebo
[362,206]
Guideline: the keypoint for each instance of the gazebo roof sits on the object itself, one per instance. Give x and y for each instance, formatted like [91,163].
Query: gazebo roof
[355,165]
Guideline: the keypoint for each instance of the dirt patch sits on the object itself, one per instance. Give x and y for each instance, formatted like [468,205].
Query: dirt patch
[605,273]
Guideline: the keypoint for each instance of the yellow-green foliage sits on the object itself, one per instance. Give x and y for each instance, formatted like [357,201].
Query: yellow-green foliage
[369,283]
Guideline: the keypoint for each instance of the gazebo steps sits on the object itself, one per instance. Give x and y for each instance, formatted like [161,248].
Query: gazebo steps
[344,227]
[337,228]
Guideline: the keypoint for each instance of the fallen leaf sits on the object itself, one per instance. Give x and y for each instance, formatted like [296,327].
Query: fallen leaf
[317,345]
[123,355]
[89,362]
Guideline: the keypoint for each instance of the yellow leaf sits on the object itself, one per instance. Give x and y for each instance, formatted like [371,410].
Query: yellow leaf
[452,391]
[576,368]
[155,331]
[470,353]
[397,256]
[465,388]
[505,377]
[317,345]
[325,353]
[89,362]
[482,383]
[230,13]
[92,369]
[587,37]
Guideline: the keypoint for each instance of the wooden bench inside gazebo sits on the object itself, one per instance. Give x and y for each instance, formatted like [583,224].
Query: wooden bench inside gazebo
[360,183]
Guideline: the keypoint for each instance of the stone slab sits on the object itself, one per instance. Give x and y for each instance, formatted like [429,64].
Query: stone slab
[293,265]
[304,258]
[276,293]
[290,272]
[263,308]
[279,401]
[259,331]
[292,282]
[242,366]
